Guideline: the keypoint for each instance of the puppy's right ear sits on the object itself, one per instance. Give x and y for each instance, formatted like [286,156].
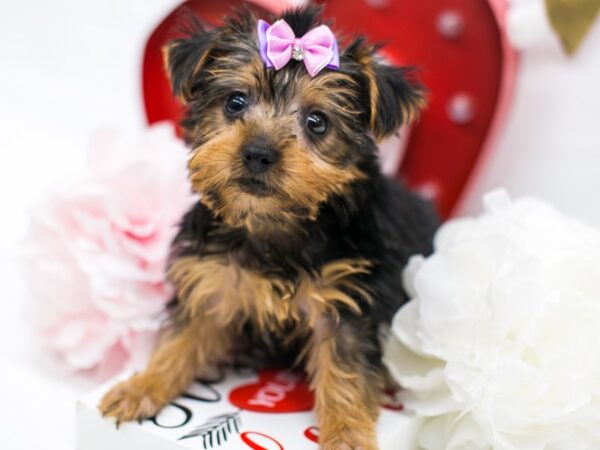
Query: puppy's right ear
[185,58]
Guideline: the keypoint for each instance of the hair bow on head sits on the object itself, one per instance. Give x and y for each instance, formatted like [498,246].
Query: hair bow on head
[278,45]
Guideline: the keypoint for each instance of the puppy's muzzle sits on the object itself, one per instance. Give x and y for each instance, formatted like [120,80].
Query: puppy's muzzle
[258,158]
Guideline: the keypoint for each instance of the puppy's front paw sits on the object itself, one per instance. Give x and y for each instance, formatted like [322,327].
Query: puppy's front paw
[349,440]
[137,398]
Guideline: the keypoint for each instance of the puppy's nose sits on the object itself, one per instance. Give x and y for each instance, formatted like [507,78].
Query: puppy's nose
[258,158]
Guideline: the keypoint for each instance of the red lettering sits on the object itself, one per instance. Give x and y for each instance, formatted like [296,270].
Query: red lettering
[312,434]
[249,438]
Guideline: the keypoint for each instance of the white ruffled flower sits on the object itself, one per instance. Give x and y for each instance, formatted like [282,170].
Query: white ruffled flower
[500,346]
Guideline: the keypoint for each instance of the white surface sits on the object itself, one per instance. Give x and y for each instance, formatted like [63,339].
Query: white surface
[395,430]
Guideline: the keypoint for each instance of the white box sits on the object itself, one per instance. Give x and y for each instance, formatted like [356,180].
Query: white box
[242,410]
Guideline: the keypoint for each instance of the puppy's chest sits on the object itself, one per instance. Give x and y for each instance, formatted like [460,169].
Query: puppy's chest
[219,289]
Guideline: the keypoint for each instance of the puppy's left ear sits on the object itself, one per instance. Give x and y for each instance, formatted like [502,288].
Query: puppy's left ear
[394,97]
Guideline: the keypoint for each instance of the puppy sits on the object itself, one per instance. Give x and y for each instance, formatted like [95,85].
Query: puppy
[297,244]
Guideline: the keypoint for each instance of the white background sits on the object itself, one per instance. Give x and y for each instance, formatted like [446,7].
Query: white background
[550,144]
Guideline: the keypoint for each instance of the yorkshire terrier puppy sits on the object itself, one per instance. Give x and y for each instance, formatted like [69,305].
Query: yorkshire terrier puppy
[298,241]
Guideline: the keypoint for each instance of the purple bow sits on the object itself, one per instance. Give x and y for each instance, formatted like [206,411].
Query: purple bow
[278,45]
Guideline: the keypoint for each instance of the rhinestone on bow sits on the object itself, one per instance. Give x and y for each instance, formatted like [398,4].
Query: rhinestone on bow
[297,53]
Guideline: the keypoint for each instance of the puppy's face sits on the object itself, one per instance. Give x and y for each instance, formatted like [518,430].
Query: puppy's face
[269,147]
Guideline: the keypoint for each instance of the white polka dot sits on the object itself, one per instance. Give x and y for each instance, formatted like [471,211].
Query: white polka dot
[450,24]
[461,108]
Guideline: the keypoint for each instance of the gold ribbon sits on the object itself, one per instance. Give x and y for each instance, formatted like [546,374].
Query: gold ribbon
[572,19]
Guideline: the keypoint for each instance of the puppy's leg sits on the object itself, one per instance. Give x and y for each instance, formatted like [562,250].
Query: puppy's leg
[347,390]
[170,370]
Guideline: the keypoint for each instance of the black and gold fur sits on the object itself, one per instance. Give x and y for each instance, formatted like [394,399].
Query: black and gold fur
[298,250]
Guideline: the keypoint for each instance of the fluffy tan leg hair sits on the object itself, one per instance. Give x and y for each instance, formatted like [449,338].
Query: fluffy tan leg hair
[171,369]
[347,397]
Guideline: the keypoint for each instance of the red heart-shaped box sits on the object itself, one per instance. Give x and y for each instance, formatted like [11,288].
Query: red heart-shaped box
[461,54]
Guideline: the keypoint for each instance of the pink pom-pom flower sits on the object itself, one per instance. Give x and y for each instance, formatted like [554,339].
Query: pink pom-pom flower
[95,253]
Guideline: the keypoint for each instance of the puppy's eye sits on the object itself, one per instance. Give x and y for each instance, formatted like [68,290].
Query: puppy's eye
[236,102]
[316,122]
